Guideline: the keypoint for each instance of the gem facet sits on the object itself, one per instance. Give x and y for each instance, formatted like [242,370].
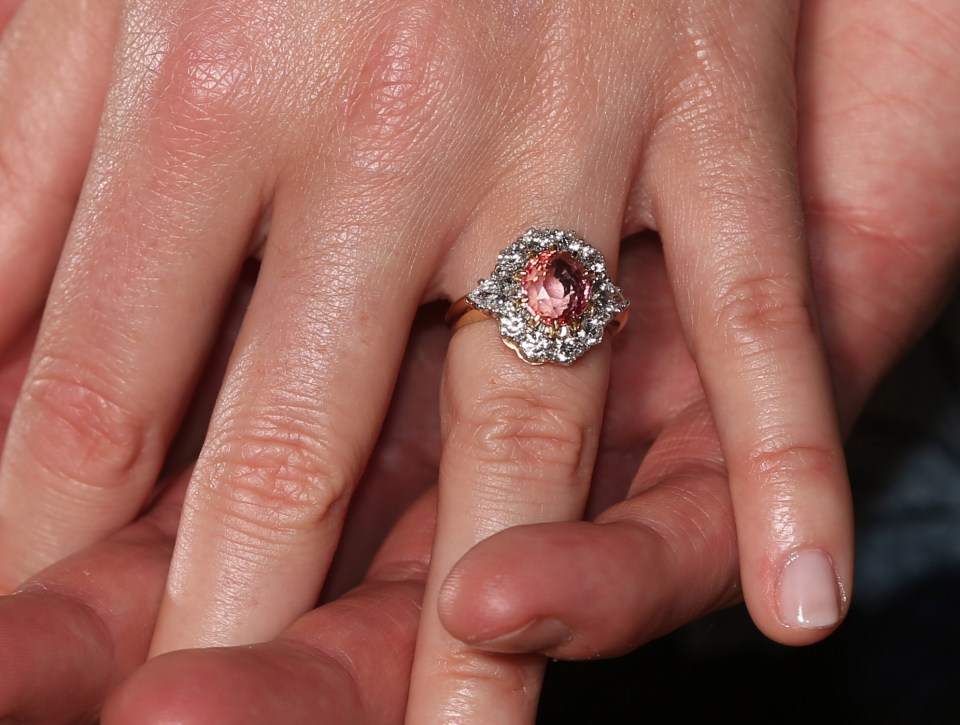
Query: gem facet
[552,296]
[556,287]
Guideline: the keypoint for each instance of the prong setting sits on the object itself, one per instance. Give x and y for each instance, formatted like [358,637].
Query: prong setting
[552,295]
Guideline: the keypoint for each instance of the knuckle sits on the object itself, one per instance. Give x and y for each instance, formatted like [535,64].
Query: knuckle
[276,477]
[777,463]
[480,672]
[760,314]
[715,61]
[516,436]
[567,88]
[406,75]
[209,70]
[77,430]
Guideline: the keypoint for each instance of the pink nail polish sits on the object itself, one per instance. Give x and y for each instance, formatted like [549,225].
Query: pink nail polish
[809,591]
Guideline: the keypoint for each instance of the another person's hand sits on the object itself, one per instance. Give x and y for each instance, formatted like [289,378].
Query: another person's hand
[75,632]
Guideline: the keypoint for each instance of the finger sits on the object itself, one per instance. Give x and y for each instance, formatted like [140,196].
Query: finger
[519,445]
[54,68]
[662,558]
[352,245]
[345,662]
[298,417]
[70,634]
[518,441]
[729,214]
[405,461]
[514,579]
[147,273]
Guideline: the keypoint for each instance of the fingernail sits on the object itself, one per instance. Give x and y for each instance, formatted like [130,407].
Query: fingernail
[809,591]
[537,636]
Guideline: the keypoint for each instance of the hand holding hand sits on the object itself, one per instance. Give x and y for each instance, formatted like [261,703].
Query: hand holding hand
[696,145]
[879,197]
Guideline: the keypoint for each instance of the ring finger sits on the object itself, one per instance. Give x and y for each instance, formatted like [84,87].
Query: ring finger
[519,441]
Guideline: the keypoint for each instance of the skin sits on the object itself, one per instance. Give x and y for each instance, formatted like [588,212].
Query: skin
[668,536]
[684,422]
[883,228]
[76,631]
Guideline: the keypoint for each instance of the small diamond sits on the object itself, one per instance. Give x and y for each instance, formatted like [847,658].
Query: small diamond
[490,294]
[592,331]
[535,348]
[512,325]
[570,350]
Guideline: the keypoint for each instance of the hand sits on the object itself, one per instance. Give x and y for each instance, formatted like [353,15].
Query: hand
[453,138]
[861,352]
[879,154]
[80,628]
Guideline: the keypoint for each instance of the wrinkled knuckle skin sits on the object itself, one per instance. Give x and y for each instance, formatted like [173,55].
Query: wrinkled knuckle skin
[787,465]
[272,480]
[519,440]
[763,314]
[199,67]
[407,75]
[78,432]
[470,674]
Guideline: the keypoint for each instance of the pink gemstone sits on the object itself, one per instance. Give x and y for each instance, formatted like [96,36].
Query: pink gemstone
[556,286]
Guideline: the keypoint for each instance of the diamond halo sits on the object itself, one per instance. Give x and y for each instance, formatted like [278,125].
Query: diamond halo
[551,295]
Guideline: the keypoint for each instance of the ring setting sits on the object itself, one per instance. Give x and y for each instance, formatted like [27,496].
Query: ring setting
[551,294]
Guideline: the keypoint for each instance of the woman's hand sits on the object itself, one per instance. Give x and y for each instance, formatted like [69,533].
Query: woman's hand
[878,149]
[666,554]
[395,148]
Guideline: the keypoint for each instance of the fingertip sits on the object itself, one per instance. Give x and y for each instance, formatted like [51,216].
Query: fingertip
[500,585]
[571,590]
[469,603]
[807,601]
[484,605]
[810,592]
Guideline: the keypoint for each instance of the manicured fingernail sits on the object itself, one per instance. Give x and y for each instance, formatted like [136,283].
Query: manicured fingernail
[537,636]
[809,591]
